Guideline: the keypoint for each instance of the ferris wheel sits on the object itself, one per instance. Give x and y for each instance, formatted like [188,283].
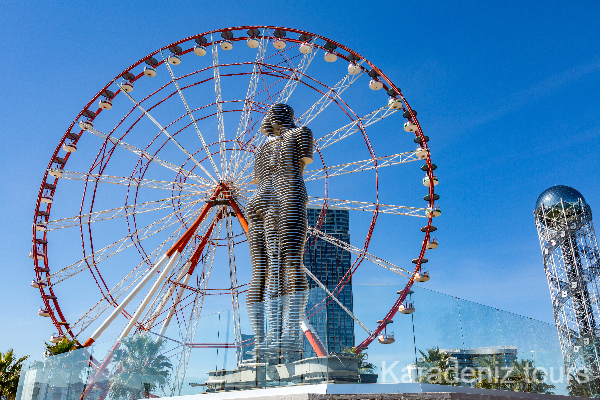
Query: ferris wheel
[142,205]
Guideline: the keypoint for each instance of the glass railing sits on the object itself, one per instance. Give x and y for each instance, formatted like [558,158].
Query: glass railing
[446,340]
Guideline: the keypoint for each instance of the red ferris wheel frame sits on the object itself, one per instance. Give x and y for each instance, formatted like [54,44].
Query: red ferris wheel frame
[40,244]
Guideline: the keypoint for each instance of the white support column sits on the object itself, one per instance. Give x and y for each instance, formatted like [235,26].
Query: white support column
[148,297]
[126,301]
[167,296]
[172,311]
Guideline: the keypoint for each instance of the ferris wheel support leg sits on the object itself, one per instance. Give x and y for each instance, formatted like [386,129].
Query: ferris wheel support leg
[239,215]
[192,265]
[313,338]
[166,297]
[148,297]
[100,372]
[172,311]
[123,304]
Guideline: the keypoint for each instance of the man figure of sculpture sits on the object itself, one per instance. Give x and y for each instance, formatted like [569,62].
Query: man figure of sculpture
[277,226]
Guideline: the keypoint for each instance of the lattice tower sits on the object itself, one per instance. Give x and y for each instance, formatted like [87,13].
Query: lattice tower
[572,262]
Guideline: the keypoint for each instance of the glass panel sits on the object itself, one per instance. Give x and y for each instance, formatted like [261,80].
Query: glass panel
[465,338]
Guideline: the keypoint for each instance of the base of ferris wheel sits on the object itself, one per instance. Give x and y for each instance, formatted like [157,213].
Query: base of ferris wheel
[283,363]
[334,368]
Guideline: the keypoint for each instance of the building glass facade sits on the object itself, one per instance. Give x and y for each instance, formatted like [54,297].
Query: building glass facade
[329,264]
[465,363]
[505,356]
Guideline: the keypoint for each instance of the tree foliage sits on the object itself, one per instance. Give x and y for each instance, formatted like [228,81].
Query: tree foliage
[138,365]
[364,366]
[487,372]
[581,384]
[521,376]
[10,370]
[61,347]
[439,367]
[66,361]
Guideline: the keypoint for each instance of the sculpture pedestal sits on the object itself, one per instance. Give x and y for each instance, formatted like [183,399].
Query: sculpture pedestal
[339,368]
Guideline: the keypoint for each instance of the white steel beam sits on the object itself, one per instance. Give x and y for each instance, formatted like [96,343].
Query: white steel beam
[167,321]
[147,183]
[166,296]
[368,207]
[147,156]
[322,286]
[359,253]
[149,295]
[126,301]
[353,127]
[357,166]
[104,215]
[327,98]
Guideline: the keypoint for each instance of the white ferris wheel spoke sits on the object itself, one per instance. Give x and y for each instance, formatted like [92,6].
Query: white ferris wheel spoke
[247,158]
[297,74]
[248,103]
[335,136]
[369,207]
[146,155]
[163,130]
[120,245]
[359,253]
[164,295]
[353,127]
[334,298]
[358,166]
[189,112]
[219,103]
[104,215]
[328,98]
[126,283]
[147,183]
[170,285]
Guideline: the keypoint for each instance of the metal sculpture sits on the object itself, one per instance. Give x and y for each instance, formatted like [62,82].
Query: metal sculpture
[277,226]
[571,261]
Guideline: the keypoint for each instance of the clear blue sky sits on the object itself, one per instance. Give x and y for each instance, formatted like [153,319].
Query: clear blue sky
[507,91]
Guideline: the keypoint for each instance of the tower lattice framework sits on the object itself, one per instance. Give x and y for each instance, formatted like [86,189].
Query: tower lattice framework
[572,266]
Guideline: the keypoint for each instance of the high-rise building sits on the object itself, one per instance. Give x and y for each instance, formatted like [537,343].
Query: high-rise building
[329,264]
[471,358]
[572,265]
[467,361]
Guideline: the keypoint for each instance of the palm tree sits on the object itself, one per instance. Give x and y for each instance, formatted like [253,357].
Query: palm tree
[490,374]
[521,376]
[439,367]
[583,385]
[10,370]
[138,364]
[525,378]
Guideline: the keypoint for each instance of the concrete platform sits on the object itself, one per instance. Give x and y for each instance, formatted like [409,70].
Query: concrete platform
[374,391]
